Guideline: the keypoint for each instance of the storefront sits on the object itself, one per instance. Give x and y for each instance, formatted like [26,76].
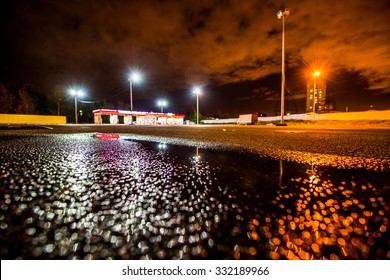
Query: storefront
[102,116]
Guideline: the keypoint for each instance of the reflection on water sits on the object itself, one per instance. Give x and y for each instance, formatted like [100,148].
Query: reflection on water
[85,198]
[327,218]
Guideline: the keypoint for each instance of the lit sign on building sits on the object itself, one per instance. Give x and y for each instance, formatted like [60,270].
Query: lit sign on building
[138,118]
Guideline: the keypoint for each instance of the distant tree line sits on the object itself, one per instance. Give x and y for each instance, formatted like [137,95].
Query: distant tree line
[20,99]
[28,99]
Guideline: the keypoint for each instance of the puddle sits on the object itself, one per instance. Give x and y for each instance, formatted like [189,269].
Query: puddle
[81,197]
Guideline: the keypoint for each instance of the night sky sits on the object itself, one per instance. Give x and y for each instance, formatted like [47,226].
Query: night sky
[231,48]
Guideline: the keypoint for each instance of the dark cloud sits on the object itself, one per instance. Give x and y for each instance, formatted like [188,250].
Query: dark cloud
[178,43]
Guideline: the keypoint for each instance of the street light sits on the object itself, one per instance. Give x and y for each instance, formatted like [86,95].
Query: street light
[162,104]
[197,91]
[316,74]
[134,77]
[76,93]
[282,15]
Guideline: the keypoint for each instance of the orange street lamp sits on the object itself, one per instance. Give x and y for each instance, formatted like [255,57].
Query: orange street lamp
[316,74]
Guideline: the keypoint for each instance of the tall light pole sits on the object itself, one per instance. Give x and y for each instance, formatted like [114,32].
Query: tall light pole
[162,104]
[282,15]
[197,92]
[76,94]
[316,74]
[59,106]
[133,78]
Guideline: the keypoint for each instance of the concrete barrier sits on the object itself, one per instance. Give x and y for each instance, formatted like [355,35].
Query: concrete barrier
[31,119]
[353,116]
[221,121]
[336,116]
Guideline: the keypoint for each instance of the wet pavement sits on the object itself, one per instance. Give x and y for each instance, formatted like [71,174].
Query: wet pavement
[79,196]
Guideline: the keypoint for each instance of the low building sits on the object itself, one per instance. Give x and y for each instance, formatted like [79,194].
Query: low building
[138,118]
[248,118]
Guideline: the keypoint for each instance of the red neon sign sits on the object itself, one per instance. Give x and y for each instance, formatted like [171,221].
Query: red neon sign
[105,136]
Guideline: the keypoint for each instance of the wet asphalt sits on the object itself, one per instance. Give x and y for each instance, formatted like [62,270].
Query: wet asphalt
[207,192]
[342,147]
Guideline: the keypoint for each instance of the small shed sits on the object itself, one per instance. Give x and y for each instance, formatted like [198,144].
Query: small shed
[248,118]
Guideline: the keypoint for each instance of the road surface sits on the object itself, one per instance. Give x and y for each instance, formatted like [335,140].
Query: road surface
[207,192]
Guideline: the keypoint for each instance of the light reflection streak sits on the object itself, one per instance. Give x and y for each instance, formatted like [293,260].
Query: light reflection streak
[280,173]
[327,222]
[197,156]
